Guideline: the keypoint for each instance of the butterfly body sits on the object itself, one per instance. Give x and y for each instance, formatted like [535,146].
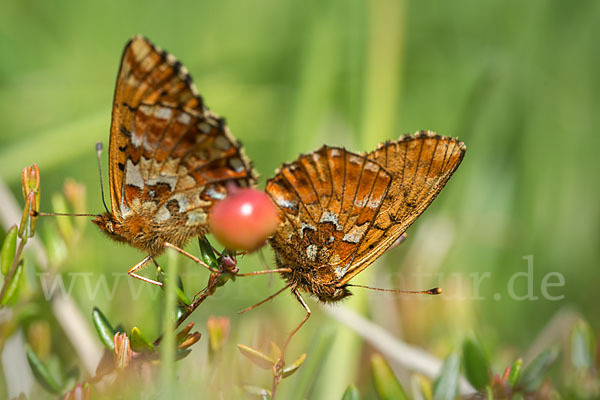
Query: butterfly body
[342,210]
[150,238]
[170,157]
[310,272]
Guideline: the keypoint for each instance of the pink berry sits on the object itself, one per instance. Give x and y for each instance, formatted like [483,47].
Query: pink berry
[244,219]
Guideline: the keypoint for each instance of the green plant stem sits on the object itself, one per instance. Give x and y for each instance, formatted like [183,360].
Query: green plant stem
[13,268]
[168,347]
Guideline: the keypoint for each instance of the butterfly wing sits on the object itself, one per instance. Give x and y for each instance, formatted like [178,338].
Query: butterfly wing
[325,199]
[165,144]
[352,207]
[420,166]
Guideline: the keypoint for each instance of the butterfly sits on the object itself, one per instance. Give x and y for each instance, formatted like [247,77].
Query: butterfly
[170,157]
[341,210]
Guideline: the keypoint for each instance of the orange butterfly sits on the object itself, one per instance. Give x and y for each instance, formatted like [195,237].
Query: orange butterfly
[341,210]
[170,157]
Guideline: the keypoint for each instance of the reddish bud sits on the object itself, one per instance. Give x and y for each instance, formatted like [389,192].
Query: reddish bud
[218,332]
[30,185]
[122,353]
[28,219]
[244,219]
[506,374]
[30,180]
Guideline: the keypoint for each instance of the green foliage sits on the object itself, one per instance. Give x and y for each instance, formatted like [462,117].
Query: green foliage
[7,252]
[14,285]
[476,365]
[386,384]
[583,346]
[105,331]
[206,253]
[535,372]
[139,343]
[515,372]
[351,393]
[42,373]
[257,357]
[446,385]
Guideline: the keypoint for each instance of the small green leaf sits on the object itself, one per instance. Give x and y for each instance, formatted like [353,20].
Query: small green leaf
[181,354]
[104,329]
[14,285]
[533,375]
[184,333]
[225,277]
[386,383]
[515,372]
[475,363]
[257,357]
[207,254]
[294,366]
[9,247]
[583,345]
[138,341]
[181,296]
[351,393]
[41,373]
[190,340]
[181,310]
[446,386]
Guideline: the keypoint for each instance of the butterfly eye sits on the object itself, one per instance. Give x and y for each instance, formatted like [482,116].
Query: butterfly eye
[341,293]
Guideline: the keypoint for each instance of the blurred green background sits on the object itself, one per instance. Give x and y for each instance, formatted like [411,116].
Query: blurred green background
[517,81]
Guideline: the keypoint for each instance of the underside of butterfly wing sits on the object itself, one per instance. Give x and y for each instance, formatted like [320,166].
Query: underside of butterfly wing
[420,166]
[342,210]
[170,156]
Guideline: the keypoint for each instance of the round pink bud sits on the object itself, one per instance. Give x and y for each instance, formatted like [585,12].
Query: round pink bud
[244,219]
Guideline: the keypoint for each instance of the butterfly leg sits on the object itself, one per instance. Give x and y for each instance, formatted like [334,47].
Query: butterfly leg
[303,303]
[278,367]
[271,297]
[190,256]
[139,266]
[266,271]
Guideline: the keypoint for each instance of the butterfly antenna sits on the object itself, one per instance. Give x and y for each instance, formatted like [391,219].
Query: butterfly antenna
[34,213]
[433,291]
[98,154]
[271,297]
